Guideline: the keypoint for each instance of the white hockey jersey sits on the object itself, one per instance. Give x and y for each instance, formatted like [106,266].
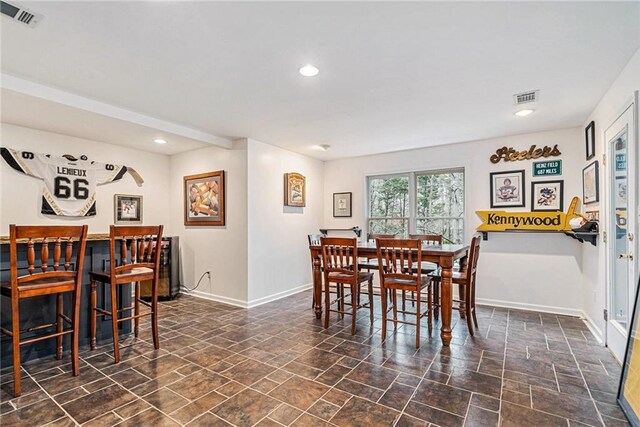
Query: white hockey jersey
[69,185]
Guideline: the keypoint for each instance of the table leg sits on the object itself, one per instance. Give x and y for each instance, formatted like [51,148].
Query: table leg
[317,285]
[446,265]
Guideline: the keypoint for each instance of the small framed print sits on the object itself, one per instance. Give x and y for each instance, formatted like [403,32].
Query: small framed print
[294,189]
[590,140]
[342,205]
[546,196]
[590,184]
[204,196]
[592,215]
[507,189]
[127,209]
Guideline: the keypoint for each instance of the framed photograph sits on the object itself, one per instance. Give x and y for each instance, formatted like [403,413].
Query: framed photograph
[590,184]
[204,199]
[294,189]
[507,189]
[592,215]
[629,391]
[590,140]
[342,205]
[547,196]
[621,191]
[127,209]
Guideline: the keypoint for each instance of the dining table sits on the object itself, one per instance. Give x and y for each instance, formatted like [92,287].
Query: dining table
[445,255]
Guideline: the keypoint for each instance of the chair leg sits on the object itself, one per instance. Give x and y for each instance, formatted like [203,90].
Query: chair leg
[114,321]
[418,318]
[15,330]
[355,296]
[472,301]
[75,335]
[343,309]
[93,314]
[429,309]
[327,301]
[436,299]
[467,309]
[383,301]
[370,289]
[136,310]
[59,324]
[395,308]
[154,313]
[404,298]
[461,294]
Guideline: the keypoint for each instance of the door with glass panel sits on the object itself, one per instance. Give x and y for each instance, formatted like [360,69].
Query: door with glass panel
[622,182]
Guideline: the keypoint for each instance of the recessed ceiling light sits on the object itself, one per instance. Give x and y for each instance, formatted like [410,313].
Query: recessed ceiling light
[160,141]
[523,113]
[309,70]
[324,147]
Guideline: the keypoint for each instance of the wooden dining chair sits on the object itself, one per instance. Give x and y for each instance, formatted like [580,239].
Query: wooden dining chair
[466,281]
[314,240]
[372,263]
[396,258]
[426,267]
[139,260]
[339,260]
[62,276]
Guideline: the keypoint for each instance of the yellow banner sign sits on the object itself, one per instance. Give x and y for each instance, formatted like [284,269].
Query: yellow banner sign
[532,221]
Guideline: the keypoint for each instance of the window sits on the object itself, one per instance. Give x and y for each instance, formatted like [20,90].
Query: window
[418,203]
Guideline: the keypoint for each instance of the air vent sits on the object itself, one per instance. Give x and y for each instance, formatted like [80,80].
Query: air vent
[526,97]
[19,14]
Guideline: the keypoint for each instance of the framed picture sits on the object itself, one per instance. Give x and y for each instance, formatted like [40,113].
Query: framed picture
[294,189]
[629,389]
[204,199]
[621,191]
[547,196]
[590,140]
[592,215]
[590,184]
[127,209]
[342,205]
[507,189]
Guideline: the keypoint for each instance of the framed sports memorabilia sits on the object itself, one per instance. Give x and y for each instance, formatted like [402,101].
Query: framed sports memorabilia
[127,209]
[507,189]
[590,184]
[294,189]
[590,140]
[546,196]
[629,389]
[204,199]
[342,205]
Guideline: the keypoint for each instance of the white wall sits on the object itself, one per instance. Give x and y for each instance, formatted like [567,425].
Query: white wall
[220,250]
[537,271]
[594,258]
[22,194]
[279,261]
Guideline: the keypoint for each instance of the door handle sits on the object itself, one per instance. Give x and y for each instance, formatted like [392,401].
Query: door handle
[628,256]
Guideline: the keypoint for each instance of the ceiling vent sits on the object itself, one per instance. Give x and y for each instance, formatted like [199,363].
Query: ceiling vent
[19,14]
[526,97]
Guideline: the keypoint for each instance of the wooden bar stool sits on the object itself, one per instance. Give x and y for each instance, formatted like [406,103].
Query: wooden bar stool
[466,281]
[426,267]
[140,262]
[396,258]
[340,263]
[55,279]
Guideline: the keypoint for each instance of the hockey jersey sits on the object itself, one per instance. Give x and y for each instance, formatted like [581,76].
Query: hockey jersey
[69,184]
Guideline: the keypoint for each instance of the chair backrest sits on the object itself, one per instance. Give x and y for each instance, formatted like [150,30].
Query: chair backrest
[429,239]
[372,236]
[62,238]
[396,258]
[137,247]
[314,239]
[472,260]
[339,255]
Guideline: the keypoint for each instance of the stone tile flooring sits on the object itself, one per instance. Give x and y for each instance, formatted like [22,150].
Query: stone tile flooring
[275,365]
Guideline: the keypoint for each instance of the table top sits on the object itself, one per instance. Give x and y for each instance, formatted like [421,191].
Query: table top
[429,249]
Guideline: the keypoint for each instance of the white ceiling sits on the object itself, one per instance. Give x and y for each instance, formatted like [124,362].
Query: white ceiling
[392,76]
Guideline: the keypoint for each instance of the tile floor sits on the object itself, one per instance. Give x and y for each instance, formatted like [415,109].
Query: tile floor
[275,365]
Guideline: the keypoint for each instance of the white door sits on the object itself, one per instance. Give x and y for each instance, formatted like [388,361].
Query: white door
[621,202]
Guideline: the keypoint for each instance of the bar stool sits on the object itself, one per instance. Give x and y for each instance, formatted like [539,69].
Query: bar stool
[466,281]
[339,260]
[426,267]
[140,262]
[396,258]
[59,280]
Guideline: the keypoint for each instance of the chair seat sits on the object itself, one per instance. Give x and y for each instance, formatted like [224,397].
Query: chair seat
[44,286]
[133,275]
[406,284]
[363,276]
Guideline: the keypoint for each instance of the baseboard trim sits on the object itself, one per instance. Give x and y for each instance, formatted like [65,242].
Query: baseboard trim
[532,307]
[217,298]
[593,327]
[279,295]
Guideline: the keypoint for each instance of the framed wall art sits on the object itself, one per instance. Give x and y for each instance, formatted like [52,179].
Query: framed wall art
[547,196]
[127,209]
[590,184]
[294,189]
[629,389]
[507,189]
[590,140]
[592,215]
[342,205]
[204,199]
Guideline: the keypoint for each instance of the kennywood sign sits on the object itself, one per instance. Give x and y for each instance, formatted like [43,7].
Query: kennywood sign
[511,155]
[532,221]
